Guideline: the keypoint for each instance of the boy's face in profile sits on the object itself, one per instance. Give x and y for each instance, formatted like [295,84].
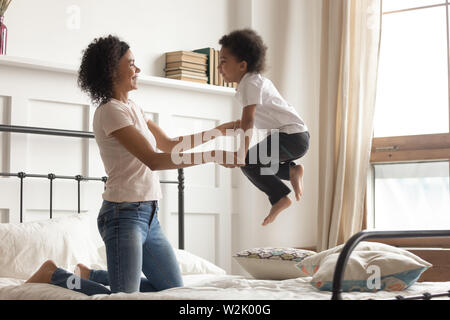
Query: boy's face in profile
[229,67]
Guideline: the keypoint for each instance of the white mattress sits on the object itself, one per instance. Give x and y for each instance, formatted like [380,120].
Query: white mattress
[212,287]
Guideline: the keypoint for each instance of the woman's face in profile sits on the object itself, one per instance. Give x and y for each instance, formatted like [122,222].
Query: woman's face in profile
[127,73]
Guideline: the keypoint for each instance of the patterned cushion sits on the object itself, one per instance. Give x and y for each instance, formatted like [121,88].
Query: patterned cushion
[288,254]
[272,263]
[371,267]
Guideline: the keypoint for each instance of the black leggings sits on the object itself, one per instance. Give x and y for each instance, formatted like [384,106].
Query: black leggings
[266,171]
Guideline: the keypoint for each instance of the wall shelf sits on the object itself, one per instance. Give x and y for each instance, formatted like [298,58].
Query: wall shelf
[143,79]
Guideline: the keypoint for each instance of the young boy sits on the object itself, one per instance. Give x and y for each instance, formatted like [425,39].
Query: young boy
[242,60]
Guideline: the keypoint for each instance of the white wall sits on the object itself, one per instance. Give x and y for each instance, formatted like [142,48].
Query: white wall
[291,29]
[45,29]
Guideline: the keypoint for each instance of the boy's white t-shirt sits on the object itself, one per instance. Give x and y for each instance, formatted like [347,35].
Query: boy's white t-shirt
[129,180]
[272,111]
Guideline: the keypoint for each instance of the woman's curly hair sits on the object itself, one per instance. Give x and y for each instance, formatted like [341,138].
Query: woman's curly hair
[246,45]
[98,67]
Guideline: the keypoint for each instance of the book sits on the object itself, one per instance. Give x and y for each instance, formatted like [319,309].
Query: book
[187,73]
[231,84]
[187,53]
[186,65]
[186,56]
[185,69]
[210,62]
[188,76]
[216,64]
[188,79]
[221,83]
[220,80]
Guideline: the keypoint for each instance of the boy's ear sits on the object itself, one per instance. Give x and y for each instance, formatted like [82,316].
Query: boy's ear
[243,65]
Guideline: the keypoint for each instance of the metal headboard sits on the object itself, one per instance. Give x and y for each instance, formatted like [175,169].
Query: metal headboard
[79,178]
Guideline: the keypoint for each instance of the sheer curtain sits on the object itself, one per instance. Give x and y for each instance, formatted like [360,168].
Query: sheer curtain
[351,31]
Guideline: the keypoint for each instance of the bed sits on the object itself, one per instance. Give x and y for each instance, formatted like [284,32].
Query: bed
[213,287]
[25,246]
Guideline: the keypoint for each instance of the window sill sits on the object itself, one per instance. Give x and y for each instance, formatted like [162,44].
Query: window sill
[438,242]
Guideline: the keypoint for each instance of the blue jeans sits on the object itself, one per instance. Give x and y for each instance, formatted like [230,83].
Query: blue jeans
[134,243]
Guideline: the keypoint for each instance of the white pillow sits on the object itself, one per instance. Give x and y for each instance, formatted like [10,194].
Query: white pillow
[189,263]
[24,247]
[371,266]
[272,263]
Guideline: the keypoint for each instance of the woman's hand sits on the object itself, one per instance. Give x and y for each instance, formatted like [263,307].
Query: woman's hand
[233,125]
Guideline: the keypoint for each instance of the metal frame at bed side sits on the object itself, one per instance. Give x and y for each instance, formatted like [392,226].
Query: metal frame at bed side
[365,235]
[79,178]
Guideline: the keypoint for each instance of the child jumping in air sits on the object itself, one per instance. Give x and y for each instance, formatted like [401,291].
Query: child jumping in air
[242,60]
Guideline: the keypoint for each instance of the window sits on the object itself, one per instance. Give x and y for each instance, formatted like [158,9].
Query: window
[415,195]
[409,187]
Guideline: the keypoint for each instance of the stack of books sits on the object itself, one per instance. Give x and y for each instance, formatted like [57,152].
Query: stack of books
[214,76]
[199,66]
[187,65]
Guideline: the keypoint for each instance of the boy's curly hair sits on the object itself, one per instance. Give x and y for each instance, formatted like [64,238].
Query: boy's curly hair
[246,45]
[98,67]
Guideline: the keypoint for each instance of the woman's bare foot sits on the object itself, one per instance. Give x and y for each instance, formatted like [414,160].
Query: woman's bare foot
[296,177]
[82,271]
[44,273]
[282,204]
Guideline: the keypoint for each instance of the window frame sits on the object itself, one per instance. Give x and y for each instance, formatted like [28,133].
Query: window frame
[415,148]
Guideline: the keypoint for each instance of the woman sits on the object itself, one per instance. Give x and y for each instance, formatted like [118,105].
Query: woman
[127,140]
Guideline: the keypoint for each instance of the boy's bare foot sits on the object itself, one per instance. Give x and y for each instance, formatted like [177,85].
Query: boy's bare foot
[44,273]
[296,177]
[282,204]
[82,271]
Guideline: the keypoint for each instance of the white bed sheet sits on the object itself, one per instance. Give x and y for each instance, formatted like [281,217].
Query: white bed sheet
[211,287]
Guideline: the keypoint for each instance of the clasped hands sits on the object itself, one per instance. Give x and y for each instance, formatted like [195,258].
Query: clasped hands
[231,159]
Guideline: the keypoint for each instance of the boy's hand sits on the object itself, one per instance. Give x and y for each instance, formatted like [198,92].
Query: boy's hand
[233,125]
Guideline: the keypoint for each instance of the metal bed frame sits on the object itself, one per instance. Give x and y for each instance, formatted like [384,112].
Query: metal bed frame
[79,178]
[365,235]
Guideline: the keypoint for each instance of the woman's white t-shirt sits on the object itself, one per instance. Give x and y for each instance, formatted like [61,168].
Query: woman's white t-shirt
[272,111]
[129,180]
